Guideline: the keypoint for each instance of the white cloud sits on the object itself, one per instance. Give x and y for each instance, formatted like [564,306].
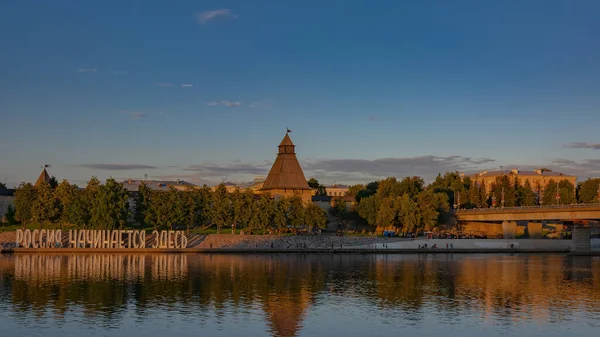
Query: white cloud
[185,85]
[204,17]
[87,70]
[230,104]
[261,105]
[138,115]
[583,145]
[162,85]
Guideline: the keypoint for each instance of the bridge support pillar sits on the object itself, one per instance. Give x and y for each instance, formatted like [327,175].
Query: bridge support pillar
[509,229]
[534,229]
[581,240]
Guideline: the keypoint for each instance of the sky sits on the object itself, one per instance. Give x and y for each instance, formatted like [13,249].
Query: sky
[204,90]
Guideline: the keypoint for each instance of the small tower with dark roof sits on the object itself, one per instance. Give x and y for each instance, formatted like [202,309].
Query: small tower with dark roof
[286,177]
[44,176]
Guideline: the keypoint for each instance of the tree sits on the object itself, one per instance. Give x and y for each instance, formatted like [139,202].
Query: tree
[474,197]
[190,207]
[53,182]
[564,189]
[296,212]
[264,212]
[314,217]
[10,216]
[314,183]
[45,207]
[242,208]
[589,191]
[78,210]
[65,193]
[411,186]
[281,214]
[432,206]
[525,195]
[368,191]
[408,214]
[368,209]
[25,196]
[503,187]
[387,213]
[451,184]
[338,209]
[221,210]
[110,206]
[141,204]
[2,186]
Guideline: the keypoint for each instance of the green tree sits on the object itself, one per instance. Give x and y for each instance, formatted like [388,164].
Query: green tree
[264,212]
[189,208]
[387,213]
[242,208]
[315,217]
[141,204]
[10,216]
[408,214]
[452,184]
[432,206]
[503,187]
[78,210]
[45,208]
[368,209]
[65,193]
[368,191]
[589,191]
[320,189]
[281,214]
[564,189]
[338,209]
[411,186]
[296,212]
[2,186]
[525,195]
[25,196]
[110,206]
[221,210]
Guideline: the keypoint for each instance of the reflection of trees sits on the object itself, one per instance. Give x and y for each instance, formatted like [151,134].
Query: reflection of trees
[286,286]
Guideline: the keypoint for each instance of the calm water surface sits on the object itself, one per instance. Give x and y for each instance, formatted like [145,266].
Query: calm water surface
[296,295]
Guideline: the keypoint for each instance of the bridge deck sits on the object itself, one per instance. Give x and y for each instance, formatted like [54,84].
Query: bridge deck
[532,213]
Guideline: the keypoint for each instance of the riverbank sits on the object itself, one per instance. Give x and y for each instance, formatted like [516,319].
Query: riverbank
[322,244]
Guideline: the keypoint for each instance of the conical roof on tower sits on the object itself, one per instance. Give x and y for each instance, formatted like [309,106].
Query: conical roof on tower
[44,176]
[286,172]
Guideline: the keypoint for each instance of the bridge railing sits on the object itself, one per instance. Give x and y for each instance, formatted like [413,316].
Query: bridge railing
[491,209]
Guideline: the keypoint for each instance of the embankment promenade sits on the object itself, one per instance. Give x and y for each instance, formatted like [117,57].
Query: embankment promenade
[323,244]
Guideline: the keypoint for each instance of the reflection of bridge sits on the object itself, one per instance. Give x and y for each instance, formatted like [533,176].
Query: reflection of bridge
[574,213]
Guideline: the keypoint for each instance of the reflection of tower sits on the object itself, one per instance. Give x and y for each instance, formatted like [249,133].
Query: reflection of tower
[285,312]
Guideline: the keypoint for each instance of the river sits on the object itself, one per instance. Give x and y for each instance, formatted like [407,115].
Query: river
[299,295]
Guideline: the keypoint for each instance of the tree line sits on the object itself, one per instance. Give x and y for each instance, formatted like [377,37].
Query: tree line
[410,206]
[111,206]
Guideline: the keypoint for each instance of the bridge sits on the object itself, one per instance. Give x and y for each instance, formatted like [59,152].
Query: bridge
[582,217]
[571,213]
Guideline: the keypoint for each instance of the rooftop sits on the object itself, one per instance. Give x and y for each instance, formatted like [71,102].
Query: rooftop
[160,185]
[516,171]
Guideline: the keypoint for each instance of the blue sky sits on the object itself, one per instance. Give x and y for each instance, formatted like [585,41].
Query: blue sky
[204,90]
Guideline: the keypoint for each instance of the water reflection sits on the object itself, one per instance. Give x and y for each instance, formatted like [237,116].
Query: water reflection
[283,290]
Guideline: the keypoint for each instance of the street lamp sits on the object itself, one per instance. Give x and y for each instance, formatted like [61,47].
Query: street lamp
[557,194]
[502,197]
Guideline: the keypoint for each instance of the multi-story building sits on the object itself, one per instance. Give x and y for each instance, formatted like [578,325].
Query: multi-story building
[538,179]
[336,190]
